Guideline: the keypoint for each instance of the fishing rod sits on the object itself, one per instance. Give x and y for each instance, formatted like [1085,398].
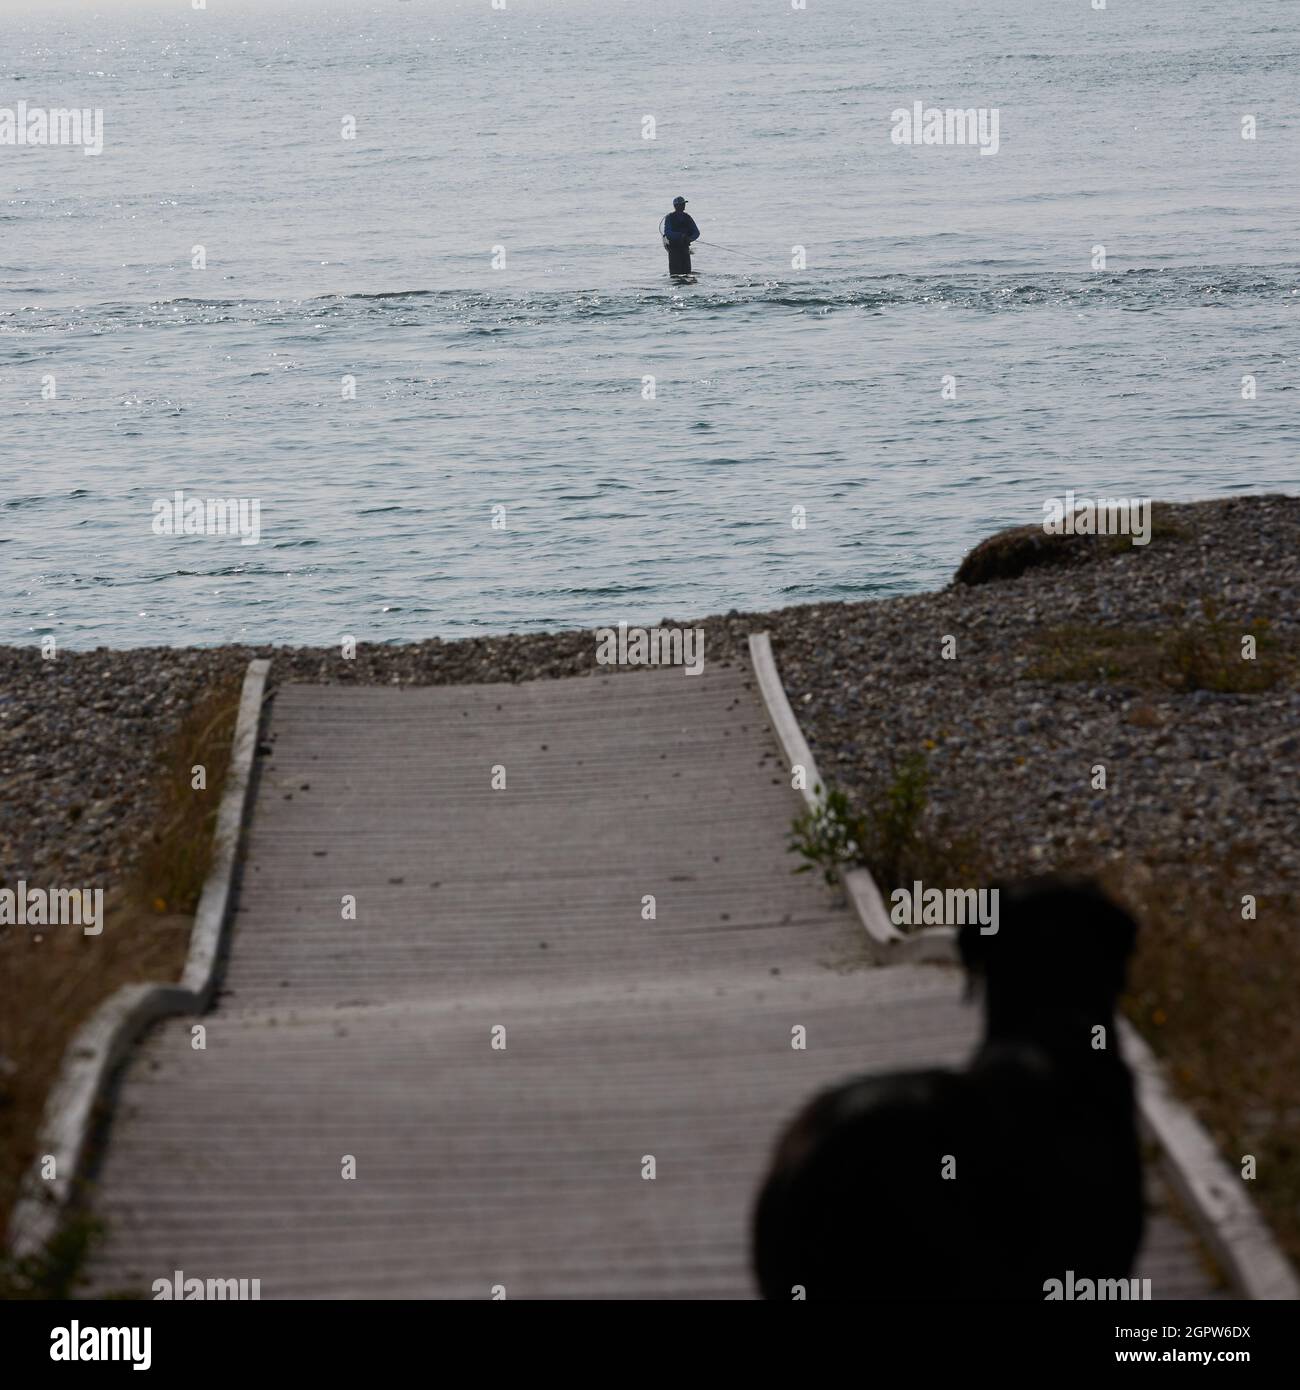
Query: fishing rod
[716,247]
[700,241]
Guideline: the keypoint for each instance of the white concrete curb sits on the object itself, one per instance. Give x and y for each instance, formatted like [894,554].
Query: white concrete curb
[102,1042]
[1215,1198]
[1213,1194]
[887,943]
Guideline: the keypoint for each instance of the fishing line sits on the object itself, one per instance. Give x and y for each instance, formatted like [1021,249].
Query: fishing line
[716,247]
[712,245]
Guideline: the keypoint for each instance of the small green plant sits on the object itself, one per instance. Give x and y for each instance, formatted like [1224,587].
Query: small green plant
[828,835]
[895,840]
[1207,655]
[1085,653]
[831,835]
[1201,652]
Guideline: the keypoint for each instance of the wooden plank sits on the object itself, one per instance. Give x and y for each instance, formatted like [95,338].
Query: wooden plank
[105,1039]
[519,908]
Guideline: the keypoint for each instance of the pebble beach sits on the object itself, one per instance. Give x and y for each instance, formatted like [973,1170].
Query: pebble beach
[1061,658]
[1191,772]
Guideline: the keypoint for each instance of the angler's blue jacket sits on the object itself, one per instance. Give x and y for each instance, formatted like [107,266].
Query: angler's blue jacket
[680,226]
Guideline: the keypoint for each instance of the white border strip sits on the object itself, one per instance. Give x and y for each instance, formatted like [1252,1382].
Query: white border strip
[1215,1198]
[102,1042]
[213,911]
[886,941]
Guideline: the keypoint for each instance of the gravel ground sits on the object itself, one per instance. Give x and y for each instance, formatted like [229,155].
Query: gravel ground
[1201,802]
[1191,776]
[1188,774]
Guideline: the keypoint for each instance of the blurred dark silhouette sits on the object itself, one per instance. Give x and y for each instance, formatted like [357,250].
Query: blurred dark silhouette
[1040,1128]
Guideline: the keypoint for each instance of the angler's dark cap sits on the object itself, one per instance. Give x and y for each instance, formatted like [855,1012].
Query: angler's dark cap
[679,201]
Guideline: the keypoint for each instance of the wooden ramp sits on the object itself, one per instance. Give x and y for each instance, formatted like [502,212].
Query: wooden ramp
[514,914]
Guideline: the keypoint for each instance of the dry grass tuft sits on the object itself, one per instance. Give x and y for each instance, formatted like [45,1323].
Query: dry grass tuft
[1197,653]
[51,980]
[1214,995]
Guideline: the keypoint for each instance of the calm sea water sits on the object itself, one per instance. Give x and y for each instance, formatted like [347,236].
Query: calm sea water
[521,386]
